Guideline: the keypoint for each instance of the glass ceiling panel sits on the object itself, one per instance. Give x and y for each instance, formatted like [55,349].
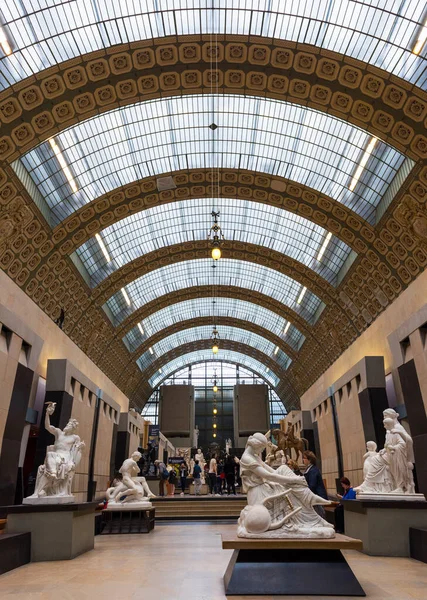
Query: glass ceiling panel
[42,33]
[165,135]
[206,354]
[203,307]
[200,272]
[190,220]
[204,332]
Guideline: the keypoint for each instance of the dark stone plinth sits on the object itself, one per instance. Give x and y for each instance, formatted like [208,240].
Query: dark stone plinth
[418,544]
[15,551]
[383,525]
[58,532]
[290,572]
[127,521]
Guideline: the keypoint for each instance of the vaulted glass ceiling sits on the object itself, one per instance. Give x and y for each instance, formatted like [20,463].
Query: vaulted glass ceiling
[205,355]
[204,307]
[200,272]
[204,332]
[165,135]
[190,220]
[42,33]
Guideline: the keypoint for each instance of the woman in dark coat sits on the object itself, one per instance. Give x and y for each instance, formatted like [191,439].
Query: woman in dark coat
[314,479]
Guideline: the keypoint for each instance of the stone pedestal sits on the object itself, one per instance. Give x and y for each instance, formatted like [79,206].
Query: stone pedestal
[128,521]
[383,525]
[58,532]
[290,567]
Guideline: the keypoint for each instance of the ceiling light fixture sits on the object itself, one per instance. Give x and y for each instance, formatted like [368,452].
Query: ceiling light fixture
[125,296]
[301,296]
[421,39]
[362,163]
[140,328]
[324,246]
[276,350]
[103,248]
[4,43]
[151,351]
[215,340]
[288,324]
[160,370]
[65,168]
[215,410]
[215,237]
[214,425]
[214,435]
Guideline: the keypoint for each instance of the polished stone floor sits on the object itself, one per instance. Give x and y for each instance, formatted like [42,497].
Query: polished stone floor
[181,561]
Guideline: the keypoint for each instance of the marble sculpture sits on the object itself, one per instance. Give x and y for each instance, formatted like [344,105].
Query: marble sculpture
[55,475]
[388,474]
[201,458]
[132,493]
[280,504]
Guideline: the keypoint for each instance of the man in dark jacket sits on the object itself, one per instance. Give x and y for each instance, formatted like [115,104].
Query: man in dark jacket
[314,479]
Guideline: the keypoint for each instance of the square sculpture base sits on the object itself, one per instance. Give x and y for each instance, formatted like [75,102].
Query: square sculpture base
[128,521]
[58,532]
[290,567]
[383,525]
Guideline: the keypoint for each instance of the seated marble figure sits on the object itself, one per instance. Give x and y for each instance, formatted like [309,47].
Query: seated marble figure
[280,504]
[389,471]
[55,475]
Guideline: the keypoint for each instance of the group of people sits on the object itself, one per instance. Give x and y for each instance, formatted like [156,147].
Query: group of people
[222,475]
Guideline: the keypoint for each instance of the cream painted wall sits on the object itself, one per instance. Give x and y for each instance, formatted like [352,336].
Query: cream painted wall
[373,341]
[56,343]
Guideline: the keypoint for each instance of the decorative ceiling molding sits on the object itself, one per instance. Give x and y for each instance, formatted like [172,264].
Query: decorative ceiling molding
[389,108]
[38,107]
[205,292]
[219,320]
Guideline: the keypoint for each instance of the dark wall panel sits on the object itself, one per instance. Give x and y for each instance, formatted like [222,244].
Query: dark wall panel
[372,402]
[15,422]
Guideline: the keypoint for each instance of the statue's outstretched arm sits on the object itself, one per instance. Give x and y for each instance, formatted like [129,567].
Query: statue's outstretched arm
[53,430]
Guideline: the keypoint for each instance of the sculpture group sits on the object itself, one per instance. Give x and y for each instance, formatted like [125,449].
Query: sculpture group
[55,475]
[133,491]
[280,503]
[288,440]
[389,472]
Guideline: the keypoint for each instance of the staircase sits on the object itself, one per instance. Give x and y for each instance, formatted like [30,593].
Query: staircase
[190,507]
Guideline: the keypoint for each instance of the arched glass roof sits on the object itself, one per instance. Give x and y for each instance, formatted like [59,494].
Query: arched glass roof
[205,355]
[190,220]
[42,33]
[200,272]
[165,135]
[203,307]
[204,332]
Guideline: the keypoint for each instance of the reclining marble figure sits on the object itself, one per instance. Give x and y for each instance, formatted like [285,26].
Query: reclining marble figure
[55,475]
[280,504]
[133,491]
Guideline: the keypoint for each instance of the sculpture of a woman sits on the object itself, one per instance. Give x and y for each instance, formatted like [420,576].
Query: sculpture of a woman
[280,504]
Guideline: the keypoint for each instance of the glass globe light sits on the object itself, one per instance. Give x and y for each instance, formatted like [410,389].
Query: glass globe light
[215,388]
[214,435]
[215,349]
[214,425]
[215,411]
[216,253]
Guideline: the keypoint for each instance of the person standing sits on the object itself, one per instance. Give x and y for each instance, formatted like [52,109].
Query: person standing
[183,474]
[163,475]
[349,494]
[212,475]
[230,474]
[314,479]
[172,482]
[197,478]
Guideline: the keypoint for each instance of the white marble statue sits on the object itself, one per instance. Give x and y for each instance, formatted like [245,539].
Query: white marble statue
[55,475]
[196,434]
[280,504]
[201,458]
[389,473]
[132,493]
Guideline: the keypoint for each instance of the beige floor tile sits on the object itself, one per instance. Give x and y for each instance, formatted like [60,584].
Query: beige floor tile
[182,561]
